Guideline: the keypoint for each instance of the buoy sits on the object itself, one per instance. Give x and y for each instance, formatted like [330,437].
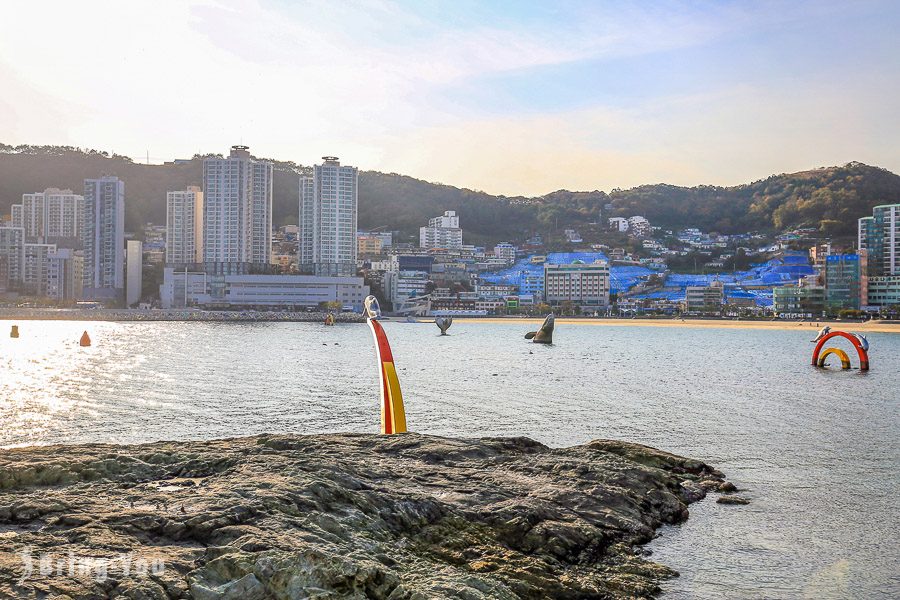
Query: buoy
[14,332]
[85,339]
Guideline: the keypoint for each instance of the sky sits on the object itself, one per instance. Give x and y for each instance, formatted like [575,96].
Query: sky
[510,97]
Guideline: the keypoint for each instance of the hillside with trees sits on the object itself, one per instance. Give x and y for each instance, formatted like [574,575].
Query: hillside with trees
[828,199]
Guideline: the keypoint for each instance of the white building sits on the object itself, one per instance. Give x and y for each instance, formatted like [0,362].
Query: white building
[50,215]
[12,257]
[193,288]
[64,272]
[639,226]
[237,209]
[619,224]
[34,268]
[442,232]
[328,209]
[400,286]
[134,256]
[103,238]
[585,285]
[184,226]
[505,252]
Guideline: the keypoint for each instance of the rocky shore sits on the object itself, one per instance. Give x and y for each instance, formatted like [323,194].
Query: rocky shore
[339,516]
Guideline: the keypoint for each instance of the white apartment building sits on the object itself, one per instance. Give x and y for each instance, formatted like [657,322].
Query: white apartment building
[103,238]
[12,257]
[442,232]
[505,252]
[328,212]
[184,226]
[586,285]
[34,268]
[639,226]
[619,224]
[400,286]
[64,272]
[237,209]
[49,215]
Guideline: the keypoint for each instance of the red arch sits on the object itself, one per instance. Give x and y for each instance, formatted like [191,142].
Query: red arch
[863,355]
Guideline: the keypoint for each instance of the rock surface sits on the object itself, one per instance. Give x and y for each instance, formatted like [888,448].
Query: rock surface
[405,517]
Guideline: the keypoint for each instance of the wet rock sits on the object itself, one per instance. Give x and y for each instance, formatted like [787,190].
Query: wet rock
[344,516]
[732,500]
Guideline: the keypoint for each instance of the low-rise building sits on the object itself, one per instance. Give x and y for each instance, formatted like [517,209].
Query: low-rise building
[706,299]
[884,290]
[585,285]
[802,301]
[198,288]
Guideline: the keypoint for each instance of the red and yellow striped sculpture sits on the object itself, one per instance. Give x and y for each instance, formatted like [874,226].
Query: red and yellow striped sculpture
[859,343]
[393,417]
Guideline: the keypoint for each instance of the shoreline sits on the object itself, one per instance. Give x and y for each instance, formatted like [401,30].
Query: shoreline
[867,326]
[160,315]
[361,515]
[210,316]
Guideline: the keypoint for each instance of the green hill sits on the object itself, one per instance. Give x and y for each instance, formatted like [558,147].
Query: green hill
[830,199]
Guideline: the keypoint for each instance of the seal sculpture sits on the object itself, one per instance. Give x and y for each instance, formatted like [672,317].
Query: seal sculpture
[393,415]
[544,335]
[443,324]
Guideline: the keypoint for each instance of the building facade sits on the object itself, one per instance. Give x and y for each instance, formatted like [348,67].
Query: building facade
[134,272]
[184,226]
[328,213]
[50,215]
[64,275]
[103,238]
[12,258]
[442,232]
[585,285]
[193,288]
[802,301]
[237,209]
[879,236]
[704,299]
[845,281]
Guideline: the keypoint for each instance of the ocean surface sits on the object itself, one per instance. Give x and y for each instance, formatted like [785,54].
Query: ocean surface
[817,451]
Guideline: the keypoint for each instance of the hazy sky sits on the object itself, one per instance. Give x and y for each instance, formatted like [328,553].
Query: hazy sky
[510,97]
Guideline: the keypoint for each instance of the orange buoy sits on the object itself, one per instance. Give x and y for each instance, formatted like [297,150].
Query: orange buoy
[85,339]
[14,332]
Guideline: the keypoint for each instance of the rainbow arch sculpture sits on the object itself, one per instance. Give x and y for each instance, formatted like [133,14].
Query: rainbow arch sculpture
[819,356]
[393,416]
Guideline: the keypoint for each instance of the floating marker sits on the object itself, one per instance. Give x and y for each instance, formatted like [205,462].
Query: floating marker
[85,340]
[393,416]
[14,332]
[861,349]
[329,319]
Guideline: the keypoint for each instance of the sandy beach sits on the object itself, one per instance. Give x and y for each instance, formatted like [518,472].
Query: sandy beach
[869,326]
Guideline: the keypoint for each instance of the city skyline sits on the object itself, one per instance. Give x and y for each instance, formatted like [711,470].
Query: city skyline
[508,98]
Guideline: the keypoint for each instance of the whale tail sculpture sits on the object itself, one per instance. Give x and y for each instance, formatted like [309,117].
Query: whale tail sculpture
[393,415]
[544,335]
[443,324]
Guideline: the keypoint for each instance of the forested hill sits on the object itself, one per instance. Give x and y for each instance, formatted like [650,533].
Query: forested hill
[830,199]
